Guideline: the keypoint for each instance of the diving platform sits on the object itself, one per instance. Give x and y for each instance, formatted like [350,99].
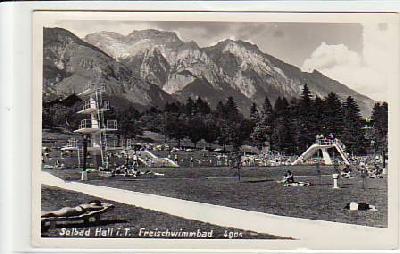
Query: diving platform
[92,126]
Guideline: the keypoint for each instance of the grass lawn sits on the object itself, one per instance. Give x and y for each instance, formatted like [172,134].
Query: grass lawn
[127,216]
[258,191]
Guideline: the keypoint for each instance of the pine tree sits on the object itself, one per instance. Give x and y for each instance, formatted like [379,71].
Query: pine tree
[281,106]
[175,127]
[353,133]
[282,138]
[254,117]
[195,115]
[190,107]
[318,112]
[305,97]
[220,110]
[202,106]
[174,121]
[221,124]
[380,124]
[332,118]
[197,128]
[261,134]
[153,120]
[174,107]
[306,121]
[128,122]
[294,126]
[267,107]
[254,112]
[231,109]
[228,119]
[212,130]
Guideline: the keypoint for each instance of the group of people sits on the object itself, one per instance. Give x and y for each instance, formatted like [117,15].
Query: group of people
[329,139]
[288,180]
[131,167]
[372,170]
[346,172]
[365,169]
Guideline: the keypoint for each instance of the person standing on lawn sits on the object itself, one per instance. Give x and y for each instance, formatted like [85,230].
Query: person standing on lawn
[135,163]
[176,158]
[191,162]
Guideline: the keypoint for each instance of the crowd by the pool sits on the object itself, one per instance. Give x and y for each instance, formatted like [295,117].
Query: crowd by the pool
[137,157]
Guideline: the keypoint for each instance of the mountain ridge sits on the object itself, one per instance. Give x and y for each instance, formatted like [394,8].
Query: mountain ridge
[69,64]
[229,67]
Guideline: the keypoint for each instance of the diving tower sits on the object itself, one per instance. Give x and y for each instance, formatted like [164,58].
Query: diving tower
[94,126]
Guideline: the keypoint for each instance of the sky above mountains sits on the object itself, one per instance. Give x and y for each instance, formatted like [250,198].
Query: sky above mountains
[353,54]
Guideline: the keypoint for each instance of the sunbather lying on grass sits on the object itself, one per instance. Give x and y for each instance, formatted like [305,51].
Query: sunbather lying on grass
[94,205]
[354,206]
[375,171]
[288,180]
[147,172]
[287,177]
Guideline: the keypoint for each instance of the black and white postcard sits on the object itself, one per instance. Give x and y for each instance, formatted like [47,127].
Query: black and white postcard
[208,130]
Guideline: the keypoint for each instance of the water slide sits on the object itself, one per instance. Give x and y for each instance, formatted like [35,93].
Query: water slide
[307,154]
[342,153]
[314,148]
[147,156]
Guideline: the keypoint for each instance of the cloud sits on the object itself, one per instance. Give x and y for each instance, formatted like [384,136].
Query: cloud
[331,56]
[369,72]
[346,66]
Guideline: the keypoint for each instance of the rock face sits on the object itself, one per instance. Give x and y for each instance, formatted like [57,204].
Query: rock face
[158,57]
[160,60]
[69,64]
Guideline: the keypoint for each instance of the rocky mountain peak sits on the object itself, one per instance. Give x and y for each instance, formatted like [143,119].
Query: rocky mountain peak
[229,44]
[108,34]
[163,37]
[70,64]
[230,67]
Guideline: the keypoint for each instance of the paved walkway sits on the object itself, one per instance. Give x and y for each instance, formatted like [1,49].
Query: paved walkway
[303,229]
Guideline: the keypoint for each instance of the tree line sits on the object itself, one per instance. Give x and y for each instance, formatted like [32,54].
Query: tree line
[286,126]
